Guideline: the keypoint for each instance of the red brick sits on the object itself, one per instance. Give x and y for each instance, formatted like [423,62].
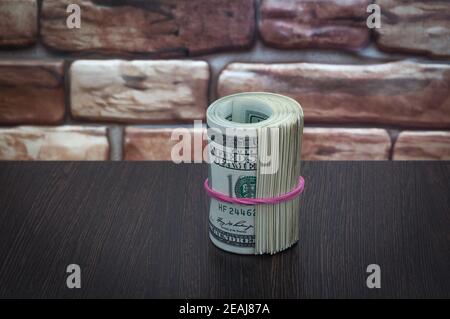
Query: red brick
[139,91]
[417,145]
[155,144]
[310,23]
[400,93]
[167,28]
[18,22]
[415,27]
[53,143]
[345,144]
[31,92]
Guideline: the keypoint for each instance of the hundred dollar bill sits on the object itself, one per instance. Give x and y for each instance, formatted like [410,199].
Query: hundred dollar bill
[254,151]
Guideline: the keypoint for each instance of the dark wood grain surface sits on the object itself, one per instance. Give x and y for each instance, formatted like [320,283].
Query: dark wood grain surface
[140,230]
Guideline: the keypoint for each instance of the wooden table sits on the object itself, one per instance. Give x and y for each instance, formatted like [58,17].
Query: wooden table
[140,230]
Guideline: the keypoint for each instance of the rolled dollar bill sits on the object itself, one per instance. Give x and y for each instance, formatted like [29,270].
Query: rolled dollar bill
[254,143]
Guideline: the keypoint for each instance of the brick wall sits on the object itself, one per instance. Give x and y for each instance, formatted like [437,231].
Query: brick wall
[135,70]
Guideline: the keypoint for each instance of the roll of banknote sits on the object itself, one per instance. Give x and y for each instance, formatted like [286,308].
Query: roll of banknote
[254,143]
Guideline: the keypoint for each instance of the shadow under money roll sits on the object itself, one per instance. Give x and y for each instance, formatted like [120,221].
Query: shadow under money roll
[254,143]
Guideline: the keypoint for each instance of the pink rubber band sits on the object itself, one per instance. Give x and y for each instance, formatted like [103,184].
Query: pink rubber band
[255,201]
